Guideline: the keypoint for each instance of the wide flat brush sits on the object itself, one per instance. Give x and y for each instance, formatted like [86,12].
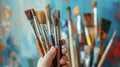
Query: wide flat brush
[38,39]
[39,30]
[89,34]
[89,27]
[105,26]
[107,49]
[42,26]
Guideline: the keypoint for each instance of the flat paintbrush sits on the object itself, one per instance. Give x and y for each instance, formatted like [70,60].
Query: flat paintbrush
[89,31]
[42,25]
[34,26]
[107,49]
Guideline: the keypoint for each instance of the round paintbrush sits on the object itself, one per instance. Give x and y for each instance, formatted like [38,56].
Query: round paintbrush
[71,21]
[72,30]
[49,24]
[94,4]
[69,13]
[56,23]
[76,11]
[55,17]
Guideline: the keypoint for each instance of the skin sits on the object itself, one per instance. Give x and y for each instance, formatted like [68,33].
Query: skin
[46,61]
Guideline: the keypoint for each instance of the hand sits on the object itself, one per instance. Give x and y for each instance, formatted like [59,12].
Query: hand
[46,61]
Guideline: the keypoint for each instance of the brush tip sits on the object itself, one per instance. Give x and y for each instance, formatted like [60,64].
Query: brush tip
[56,13]
[69,12]
[55,16]
[88,19]
[29,14]
[94,4]
[47,6]
[76,11]
[68,8]
[41,17]
[33,12]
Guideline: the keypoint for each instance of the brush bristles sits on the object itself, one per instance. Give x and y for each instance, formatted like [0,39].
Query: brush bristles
[76,11]
[33,12]
[88,19]
[69,12]
[41,17]
[94,4]
[55,16]
[29,14]
[47,8]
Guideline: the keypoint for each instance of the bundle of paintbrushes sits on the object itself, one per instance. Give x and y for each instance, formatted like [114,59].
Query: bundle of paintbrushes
[85,42]
[42,25]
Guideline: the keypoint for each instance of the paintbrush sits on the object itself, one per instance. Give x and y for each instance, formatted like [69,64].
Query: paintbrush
[89,34]
[35,29]
[42,26]
[88,27]
[98,43]
[40,29]
[107,49]
[57,33]
[105,25]
[49,24]
[71,31]
[76,12]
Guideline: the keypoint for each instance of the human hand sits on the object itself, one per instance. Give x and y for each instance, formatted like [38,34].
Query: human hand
[46,61]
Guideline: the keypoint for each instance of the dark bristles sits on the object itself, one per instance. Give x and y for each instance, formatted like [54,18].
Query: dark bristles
[68,8]
[33,12]
[88,19]
[29,14]
[105,25]
[69,12]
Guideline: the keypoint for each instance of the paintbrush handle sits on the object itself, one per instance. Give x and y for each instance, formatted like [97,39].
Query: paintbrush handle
[40,47]
[60,48]
[106,50]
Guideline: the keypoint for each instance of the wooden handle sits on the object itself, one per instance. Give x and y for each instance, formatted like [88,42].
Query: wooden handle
[40,47]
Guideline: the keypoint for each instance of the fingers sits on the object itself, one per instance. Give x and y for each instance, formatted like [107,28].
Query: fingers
[48,58]
[64,60]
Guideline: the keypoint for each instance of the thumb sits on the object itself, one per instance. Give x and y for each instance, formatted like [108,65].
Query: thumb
[48,58]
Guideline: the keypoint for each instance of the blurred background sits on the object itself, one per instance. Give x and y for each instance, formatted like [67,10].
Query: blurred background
[17,42]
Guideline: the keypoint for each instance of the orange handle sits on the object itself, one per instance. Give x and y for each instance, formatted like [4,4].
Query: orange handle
[40,47]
